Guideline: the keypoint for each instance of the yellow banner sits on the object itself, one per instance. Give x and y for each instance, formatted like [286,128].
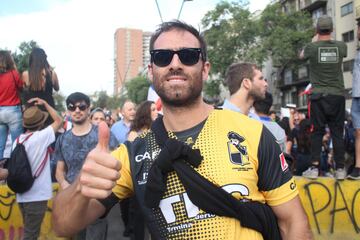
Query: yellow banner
[333,208]
[11,225]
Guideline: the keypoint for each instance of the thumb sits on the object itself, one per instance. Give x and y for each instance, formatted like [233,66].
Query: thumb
[103,136]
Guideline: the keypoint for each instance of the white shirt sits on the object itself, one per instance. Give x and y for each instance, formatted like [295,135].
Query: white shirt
[229,105]
[7,150]
[36,148]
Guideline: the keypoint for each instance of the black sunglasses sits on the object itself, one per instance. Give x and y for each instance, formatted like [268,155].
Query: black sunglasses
[163,57]
[82,106]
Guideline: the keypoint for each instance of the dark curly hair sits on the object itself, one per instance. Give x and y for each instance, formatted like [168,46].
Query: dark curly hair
[142,117]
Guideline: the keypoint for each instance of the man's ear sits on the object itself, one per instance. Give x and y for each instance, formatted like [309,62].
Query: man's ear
[246,83]
[205,71]
[150,73]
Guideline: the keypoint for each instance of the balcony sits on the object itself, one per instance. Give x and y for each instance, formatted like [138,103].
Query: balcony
[311,5]
[297,78]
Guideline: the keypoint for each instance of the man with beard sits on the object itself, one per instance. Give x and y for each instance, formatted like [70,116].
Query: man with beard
[246,84]
[71,150]
[158,173]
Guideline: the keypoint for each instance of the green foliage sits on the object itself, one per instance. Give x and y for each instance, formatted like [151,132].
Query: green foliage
[102,100]
[282,35]
[137,89]
[211,87]
[21,58]
[234,34]
[212,90]
[230,32]
[115,102]
[59,99]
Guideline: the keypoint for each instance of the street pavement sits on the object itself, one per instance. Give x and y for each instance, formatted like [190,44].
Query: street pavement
[115,224]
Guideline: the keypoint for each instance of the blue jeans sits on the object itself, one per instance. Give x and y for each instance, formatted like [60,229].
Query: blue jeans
[10,121]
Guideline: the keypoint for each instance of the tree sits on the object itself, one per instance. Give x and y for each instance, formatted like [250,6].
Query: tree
[22,58]
[102,100]
[59,99]
[212,90]
[233,34]
[282,35]
[137,89]
[230,32]
[114,102]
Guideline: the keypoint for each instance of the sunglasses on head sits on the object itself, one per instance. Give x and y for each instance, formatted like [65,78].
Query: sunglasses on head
[82,106]
[187,56]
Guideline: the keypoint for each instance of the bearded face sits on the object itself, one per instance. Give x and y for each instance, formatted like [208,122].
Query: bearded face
[178,84]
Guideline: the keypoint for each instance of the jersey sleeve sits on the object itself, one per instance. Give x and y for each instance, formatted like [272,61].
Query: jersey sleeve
[275,179]
[124,186]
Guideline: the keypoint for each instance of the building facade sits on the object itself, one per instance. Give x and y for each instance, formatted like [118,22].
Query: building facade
[131,55]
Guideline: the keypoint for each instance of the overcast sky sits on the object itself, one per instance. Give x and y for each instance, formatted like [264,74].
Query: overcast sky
[78,35]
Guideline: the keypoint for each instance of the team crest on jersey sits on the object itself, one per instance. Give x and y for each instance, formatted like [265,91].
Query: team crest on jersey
[237,152]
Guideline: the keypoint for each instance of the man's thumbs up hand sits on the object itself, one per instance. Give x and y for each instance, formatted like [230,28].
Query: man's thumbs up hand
[100,170]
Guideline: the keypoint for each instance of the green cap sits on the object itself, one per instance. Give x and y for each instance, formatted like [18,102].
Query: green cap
[324,23]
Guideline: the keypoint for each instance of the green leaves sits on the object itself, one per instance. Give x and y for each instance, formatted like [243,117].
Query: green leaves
[234,34]
[21,58]
[284,34]
[229,32]
[59,100]
[137,89]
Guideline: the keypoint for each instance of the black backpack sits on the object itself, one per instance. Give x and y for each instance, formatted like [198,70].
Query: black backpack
[21,178]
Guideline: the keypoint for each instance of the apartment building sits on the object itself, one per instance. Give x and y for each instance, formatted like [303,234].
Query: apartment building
[294,80]
[131,55]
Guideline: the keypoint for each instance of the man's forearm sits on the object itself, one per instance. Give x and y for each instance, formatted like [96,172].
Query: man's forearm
[299,230]
[72,211]
[60,175]
[54,115]
[293,221]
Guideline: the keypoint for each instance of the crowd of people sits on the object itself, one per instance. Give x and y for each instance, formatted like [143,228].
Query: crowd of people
[56,144]
[175,172]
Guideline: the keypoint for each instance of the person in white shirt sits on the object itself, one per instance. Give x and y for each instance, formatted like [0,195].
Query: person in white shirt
[33,203]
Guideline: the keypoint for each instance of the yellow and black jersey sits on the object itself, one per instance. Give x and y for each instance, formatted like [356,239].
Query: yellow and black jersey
[240,156]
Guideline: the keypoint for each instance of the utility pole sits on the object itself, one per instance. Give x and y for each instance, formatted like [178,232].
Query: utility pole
[182,5]
[157,5]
